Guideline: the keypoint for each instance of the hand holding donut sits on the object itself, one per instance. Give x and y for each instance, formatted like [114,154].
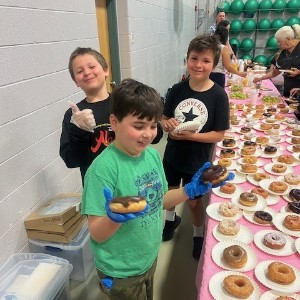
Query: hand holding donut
[120,217]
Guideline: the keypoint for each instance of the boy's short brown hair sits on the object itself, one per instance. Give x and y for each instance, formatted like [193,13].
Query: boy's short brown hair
[205,42]
[82,51]
[131,97]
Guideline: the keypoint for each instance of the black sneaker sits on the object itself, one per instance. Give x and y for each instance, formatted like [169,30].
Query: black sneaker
[169,228]
[198,242]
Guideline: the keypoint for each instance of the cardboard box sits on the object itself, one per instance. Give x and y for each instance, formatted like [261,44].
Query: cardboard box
[56,211]
[66,237]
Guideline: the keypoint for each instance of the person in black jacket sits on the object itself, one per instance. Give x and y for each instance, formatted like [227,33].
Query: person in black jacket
[86,131]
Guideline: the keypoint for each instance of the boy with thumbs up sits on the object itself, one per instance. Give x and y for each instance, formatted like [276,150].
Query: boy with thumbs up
[86,130]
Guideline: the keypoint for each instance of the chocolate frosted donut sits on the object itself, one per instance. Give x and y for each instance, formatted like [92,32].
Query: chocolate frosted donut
[294,207]
[214,174]
[127,204]
[245,129]
[227,153]
[271,109]
[228,142]
[270,149]
[267,114]
[250,143]
[262,217]
[295,195]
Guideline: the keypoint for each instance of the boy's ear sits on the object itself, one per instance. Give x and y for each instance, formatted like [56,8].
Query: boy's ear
[113,122]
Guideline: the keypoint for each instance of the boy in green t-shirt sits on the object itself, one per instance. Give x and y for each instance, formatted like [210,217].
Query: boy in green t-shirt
[126,246]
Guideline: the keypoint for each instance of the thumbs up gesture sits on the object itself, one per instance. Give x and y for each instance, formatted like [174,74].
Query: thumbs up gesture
[83,119]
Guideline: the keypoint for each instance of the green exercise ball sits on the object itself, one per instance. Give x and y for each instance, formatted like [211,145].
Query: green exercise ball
[292,21]
[293,6]
[235,26]
[264,24]
[279,6]
[234,41]
[226,7]
[247,44]
[265,6]
[260,59]
[249,25]
[272,43]
[277,23]
[236,7]
[247,56]
[269,59]
[251,6]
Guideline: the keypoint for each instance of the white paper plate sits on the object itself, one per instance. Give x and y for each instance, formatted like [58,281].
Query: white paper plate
[297,245]
[297,157]
[290,149]
[244,235]
[273,295]
[249,216]
[257,127]
[288,249]
[220,145]
[239,131]
[257,153]
[281,133]
[289,140]
[294,164]
[268,168]
[218,292]
[266,155]
[236,155]
[294,186]
[276,121]
[265,183]
[259,162]
[261,274]
[260,205]
[238,178]
[189,126]
[278,222]
[217,192]
[232,167]
[250,178]
[287,198]
[289,133]
[258,143]
[239,169]
[217,253]
[213,211]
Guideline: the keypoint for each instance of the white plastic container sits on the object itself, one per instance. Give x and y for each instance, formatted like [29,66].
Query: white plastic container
[35,276]
[78,252]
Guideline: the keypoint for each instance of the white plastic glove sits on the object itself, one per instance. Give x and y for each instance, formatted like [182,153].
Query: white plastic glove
[83,119]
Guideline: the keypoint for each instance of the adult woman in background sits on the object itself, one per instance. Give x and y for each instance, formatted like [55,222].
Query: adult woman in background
[218,74]
[288,38]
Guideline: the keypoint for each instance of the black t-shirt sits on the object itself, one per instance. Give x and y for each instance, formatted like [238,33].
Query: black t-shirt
[286,61]
[187,105]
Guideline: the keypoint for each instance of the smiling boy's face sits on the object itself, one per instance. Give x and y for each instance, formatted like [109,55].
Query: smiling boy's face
[133,135]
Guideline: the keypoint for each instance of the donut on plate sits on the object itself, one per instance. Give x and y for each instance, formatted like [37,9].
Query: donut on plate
[292,222]
[248,199]
[274,240]
[260,176]
[238,286]
[262,217]
[249,159]
[248,168]
[228,188]
[228,209]
[280,273]
[225,162]
[270,150]
[286,158]
[235,256]
[278,186]
[260,191]
[228,227]
[294,207]
[279,168]
[248,150]
[294,194]
[292,179]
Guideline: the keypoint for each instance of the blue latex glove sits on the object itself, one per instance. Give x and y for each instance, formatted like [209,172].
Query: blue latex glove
[119,218]
[197,187]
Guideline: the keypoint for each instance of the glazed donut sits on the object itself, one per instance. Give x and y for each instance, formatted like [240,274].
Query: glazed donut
[281,105]
[234,122]
[260,106]
[240,106]
[270,150]
[235,256]
[272,132]
[227,153]
[214,174]
[286,158]
[248,136]
[261,176]
[276,126]
[228,209]
[279,117]
[281,273]
[278,186]
[272,109]
[225,162]
[248,199]
[128,204]
[258,115]
[262,217]
[274,240]
[250,143]
[292,222]
[292,179]
[228,188]
[245,129]
[228,143]
[294,207]
[248,150]
[279,168]
[285,298]
[249,159]
[248,168]
[284,110]
[296,132]
[296,148]
[238,286]
[294,195]
[260,191]
[270,120]
[295,140]
[228,227]
[263,140]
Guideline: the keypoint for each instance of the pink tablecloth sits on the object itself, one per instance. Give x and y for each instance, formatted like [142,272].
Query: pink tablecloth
[207,267]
